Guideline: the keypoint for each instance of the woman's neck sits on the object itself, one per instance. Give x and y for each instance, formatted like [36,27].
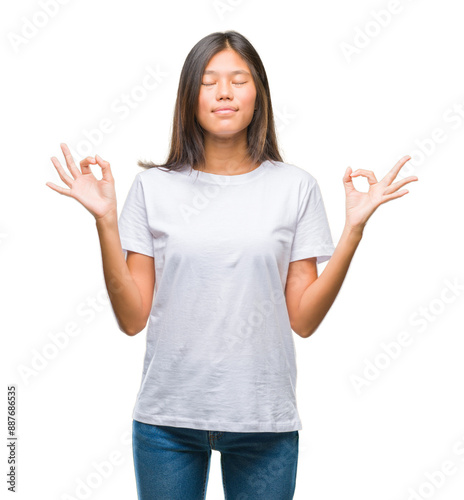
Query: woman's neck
[227,155]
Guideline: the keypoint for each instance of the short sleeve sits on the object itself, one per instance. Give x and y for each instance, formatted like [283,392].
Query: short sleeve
[312,236]
[134,230]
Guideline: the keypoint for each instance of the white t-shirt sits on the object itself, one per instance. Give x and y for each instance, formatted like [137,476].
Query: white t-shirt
[220,354]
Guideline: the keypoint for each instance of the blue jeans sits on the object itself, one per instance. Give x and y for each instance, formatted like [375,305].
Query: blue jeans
[172,463]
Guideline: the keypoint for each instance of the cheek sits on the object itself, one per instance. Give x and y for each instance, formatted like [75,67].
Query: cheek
[249,98]
[203,105]
[249,102]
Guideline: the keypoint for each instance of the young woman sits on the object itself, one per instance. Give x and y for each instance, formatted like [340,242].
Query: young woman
[225,237]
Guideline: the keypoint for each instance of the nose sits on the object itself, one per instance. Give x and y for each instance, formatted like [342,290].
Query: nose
[224,91]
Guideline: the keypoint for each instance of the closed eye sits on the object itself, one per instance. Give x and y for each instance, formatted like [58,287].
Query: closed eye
[209,84]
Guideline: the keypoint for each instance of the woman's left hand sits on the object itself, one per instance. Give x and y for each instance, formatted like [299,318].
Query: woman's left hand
[360,206]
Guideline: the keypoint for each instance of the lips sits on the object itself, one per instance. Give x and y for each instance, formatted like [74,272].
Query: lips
[227,108]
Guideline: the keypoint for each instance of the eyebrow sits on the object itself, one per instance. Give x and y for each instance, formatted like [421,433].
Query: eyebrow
[236,72]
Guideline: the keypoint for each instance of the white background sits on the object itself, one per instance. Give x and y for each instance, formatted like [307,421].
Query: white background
[388,99]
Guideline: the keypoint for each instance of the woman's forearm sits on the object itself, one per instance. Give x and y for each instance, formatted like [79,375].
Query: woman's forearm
[123,292]
[317,299]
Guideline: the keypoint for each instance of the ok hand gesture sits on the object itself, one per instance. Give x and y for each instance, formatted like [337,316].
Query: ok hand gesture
[97,196]
[360,206]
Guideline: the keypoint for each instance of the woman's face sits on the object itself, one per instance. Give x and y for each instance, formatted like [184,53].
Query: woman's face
[227,82]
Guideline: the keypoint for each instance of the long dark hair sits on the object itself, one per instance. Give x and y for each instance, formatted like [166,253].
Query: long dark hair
[187,140]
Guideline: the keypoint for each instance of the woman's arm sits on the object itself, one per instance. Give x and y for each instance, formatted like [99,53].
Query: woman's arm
[310,297]
[130,284]
[308,304]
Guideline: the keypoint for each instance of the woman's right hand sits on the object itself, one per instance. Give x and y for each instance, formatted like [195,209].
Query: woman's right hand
[97,196]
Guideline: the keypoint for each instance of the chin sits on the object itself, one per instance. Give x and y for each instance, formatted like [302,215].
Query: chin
[225,132]
[226,128]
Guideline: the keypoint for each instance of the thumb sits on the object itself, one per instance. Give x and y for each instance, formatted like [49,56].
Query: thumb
[348,181]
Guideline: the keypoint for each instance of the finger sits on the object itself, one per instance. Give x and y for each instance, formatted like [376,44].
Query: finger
[63,175]
[396,185]
[371,179]
[59,189]
[390,177]
[347,182]
[106,169]
[69,161]
[84,164]
[393,196]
